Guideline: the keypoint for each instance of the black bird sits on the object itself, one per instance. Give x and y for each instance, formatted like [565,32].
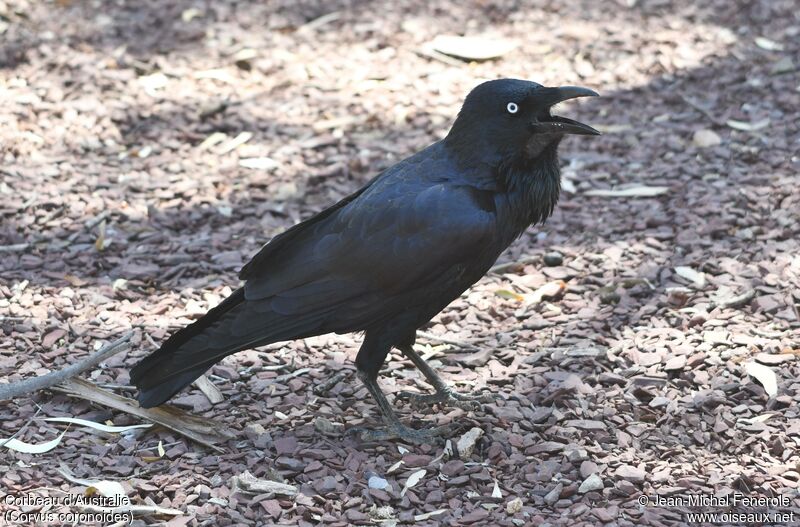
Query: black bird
[389,257]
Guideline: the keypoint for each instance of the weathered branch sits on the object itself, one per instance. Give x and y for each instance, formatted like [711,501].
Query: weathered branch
[34,384]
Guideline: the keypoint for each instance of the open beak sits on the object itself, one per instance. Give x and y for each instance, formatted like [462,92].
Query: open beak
[553,124]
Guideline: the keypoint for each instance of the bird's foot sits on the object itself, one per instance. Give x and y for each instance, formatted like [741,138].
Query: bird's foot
[403,432]
[448,397]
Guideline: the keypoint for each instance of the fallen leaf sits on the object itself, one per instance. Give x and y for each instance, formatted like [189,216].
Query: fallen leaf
[95,426]
[233,144]
[429,515]
[639,191]
[395,466]
[548,290]
[248,483]
[259,163]
[496,490]
[769,45]
[109,489]
[696,277]
[472,48]
[748,127]
[764,375]
[30,448]
[413,479]
[509,295]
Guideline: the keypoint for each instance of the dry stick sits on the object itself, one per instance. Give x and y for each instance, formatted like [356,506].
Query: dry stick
[445,340]
[24,427]
[705,111]
[34,384]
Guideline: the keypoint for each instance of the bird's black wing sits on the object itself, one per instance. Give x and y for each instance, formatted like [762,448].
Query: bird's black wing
[343,270]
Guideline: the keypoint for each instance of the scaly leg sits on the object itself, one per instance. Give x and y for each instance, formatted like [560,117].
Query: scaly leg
[394,429]
[444,395]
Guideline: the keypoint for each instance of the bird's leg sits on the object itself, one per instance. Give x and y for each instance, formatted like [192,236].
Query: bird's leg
[444,395]
[394,429]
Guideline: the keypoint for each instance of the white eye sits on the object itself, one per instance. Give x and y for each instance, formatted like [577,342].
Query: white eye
[512,107]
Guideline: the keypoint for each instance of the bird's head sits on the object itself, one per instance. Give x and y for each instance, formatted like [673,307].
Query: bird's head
[509,118]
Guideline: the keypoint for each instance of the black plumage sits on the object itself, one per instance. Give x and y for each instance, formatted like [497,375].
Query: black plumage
[392,255]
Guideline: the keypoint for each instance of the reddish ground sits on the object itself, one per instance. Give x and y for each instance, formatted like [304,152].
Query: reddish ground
[636,373]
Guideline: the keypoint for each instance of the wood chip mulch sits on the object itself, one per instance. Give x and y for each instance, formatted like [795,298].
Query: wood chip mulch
[148,149]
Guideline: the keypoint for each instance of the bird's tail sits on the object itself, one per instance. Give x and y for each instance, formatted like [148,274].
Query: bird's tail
[189,352]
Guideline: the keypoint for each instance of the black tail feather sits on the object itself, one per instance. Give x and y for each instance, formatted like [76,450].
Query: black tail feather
[157,377]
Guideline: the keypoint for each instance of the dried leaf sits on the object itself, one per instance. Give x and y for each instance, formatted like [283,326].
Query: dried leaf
[764,375]
[202,430]
[100,242]
[250,484]
[472,48]
[209,390]
[413,479]
[395,466]
[259,163]
[496,491]
[639,191]
[161,451]
[233,144]
[696,277]
[96,426]
[769,45]
[548,290]
[109,489]
[30,448]
[509,295]
[748,127]
[429,515]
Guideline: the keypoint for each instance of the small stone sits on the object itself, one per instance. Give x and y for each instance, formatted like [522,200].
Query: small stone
[678,362]
[514,506]
[545,446]
[466,443]
[590,484]
[377,482]
[453,468]
[285,445]
[552,497]
[553,259]
[773,359]
[326,484]
[630,473]
[587,469]
[706,138]
[326,426]
[658,402]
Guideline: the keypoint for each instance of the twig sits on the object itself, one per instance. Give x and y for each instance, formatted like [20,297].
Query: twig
[34,384]
[445,340]
[211,392]
[203,431]
[323,387]
[738,301]
[89,225]
[23,428]
[705,111]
